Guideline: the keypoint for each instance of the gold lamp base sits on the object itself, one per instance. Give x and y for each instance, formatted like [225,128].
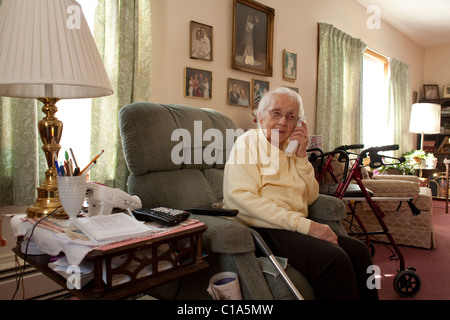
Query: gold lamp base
[50,130]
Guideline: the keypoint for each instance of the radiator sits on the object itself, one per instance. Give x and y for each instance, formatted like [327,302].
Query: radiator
[34,284]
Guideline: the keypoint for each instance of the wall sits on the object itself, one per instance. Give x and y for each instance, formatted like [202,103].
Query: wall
[295,29]
[437,66]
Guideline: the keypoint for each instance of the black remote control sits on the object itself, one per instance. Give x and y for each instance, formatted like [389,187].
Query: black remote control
[214,212]
[161,215]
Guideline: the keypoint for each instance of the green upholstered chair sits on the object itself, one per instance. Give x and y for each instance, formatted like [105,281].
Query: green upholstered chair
[159,178]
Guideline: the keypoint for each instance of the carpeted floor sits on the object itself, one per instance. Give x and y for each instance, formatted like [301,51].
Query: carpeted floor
[431,266]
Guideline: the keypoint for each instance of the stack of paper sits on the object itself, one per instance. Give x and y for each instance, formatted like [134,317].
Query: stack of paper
[118,226]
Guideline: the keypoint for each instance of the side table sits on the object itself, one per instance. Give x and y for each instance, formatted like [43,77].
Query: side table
[126,268]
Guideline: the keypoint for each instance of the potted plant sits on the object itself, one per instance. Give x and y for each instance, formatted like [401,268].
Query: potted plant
[415,160]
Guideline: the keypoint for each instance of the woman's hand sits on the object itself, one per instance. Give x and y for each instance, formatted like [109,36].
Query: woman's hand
[323,232]
[301,135]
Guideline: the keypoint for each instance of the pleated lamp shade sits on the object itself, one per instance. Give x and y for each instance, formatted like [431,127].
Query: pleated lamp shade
[47,50]
[425,118]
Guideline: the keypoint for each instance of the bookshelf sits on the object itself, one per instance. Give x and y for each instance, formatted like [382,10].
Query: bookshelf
[438,144]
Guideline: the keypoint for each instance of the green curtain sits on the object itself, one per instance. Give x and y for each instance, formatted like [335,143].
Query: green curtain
[122,31]
[22,161]
[339,83]
[400,104]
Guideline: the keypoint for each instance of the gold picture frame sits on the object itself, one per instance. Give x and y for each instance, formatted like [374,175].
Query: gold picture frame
[253,30]
[201,41]
[289,65]
[197,83]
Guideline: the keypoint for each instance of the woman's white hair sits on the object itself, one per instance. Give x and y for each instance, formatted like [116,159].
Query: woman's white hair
[269,96]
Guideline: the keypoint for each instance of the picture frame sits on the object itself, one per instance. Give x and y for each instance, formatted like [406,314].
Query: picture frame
[238,92]
[289,65]
[198,83]
[293,89]
[446,91]
[430,91]
[201,41]
[252,43]
[315,142]
[259,88]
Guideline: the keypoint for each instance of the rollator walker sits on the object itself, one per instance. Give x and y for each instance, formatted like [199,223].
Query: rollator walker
[351,190]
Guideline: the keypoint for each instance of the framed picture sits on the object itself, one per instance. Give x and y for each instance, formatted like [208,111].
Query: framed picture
[289,65]
[293,89]
[201,39]
[238,92]
[197,83]
[260,87]
[315,142]
[252,45]
[430,91]
[446,91]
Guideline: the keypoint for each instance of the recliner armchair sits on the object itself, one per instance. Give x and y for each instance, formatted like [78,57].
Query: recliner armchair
[173,162]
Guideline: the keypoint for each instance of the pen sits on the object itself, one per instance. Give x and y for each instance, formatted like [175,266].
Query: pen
[73,157]
[57,168]
[93,160]
[61,169]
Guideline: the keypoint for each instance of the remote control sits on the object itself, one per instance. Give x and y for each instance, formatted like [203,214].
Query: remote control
[161,215]
[214,212]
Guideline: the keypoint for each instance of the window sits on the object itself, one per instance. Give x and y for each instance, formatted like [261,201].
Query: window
[375,100]
[76,113]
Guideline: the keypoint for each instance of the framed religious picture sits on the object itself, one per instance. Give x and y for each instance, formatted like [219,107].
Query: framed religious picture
[252,43]
[197,83]
[430,91]
[289,65]
[259,88]
[201,39]
[238,92]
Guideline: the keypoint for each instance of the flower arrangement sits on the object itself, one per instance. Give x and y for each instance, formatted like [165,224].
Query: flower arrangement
[415,160]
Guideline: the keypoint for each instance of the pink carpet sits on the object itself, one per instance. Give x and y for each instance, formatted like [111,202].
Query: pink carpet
[432,266]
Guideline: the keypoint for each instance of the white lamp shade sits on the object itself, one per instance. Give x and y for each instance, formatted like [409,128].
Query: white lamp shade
[47,50]
[425,118]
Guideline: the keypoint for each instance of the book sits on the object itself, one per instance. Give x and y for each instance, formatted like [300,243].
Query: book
[118,226]
[77,276]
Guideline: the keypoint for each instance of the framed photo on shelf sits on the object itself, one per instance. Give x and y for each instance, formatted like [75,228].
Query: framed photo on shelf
[446,91]
[289,65]
[238,92]
[197,83]
[430,91]
[201,40]
[260,87]
[252,44]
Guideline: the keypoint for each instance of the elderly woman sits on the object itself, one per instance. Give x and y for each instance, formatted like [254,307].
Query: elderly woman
[273,191]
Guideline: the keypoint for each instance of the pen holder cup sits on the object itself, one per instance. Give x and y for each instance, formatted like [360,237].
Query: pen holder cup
[72,192]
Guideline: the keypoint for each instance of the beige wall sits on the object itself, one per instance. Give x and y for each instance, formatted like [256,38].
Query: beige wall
[437,66]
[295,29]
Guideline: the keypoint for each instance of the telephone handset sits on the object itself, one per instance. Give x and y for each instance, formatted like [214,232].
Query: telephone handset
[292,147]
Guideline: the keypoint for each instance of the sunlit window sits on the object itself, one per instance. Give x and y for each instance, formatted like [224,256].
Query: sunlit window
[76,113]
[375,101]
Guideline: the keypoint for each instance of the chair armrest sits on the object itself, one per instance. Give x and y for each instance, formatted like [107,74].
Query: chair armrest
[392,188]
[225,235]
[395,177]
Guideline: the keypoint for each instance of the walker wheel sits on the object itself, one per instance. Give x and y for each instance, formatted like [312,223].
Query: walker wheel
[407,283]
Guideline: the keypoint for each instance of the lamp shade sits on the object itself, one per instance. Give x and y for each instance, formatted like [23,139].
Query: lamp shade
[47,50]
[425,118]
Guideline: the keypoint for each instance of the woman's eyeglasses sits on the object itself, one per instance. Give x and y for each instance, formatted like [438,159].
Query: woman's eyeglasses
[277,114]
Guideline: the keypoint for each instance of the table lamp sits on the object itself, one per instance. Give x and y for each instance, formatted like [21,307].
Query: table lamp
[425,118]
[48,53]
